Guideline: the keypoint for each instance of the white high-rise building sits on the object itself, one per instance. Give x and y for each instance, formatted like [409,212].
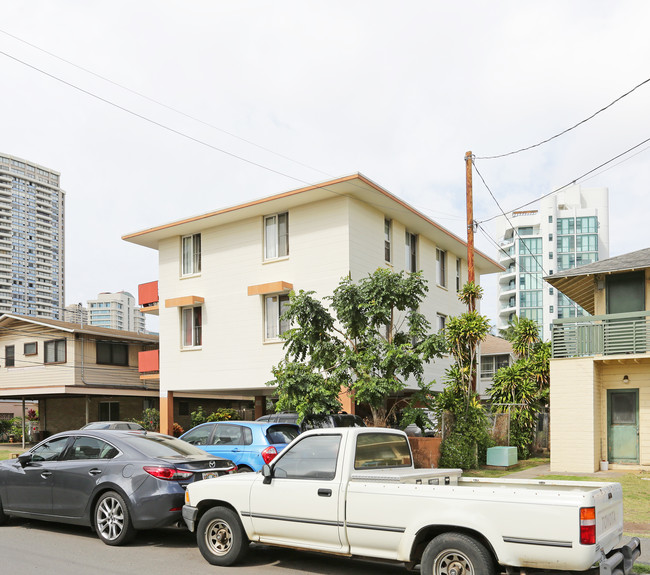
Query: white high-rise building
[31,239]
[570,229]
[116,311]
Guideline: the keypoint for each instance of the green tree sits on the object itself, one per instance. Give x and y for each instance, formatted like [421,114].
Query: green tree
[522,389]
[369,341]
[466,438]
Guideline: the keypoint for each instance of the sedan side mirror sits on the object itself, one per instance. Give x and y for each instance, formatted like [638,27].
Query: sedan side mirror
[267,473]
[24,459]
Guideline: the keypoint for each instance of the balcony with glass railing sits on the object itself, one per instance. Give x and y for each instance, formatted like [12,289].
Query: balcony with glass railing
[612,334]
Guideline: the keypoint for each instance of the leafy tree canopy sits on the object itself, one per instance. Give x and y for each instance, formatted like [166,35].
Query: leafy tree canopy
[369,341]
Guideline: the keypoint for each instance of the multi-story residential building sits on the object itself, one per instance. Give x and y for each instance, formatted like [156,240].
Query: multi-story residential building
[495,353]
[116,311]
[600,367]
[31,239]
[226,276]
[77,373]
[570,229]
[75,313]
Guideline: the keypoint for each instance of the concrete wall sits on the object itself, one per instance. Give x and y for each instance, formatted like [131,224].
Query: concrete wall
[574,416]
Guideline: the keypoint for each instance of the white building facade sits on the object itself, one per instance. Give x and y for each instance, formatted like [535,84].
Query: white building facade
[225,277]
[570,229]
[116,311]
[32,239]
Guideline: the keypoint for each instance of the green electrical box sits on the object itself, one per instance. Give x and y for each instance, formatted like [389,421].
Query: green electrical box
[502,456]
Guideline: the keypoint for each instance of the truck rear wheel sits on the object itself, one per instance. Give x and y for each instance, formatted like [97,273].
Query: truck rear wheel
[456,554]
[221,537]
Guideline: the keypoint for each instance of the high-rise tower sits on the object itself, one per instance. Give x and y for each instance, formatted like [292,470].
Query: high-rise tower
[31,239]
[570,229]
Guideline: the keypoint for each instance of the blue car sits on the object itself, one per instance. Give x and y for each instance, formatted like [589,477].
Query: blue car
[248,444]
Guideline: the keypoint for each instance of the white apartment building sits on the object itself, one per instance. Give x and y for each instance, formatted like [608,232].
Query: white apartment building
[76,313]
[116,311]
[31,239]
[225,276]
[570,229]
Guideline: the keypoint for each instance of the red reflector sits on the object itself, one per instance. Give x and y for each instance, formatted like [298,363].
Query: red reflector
[167,473]
[269,453]
[588,525]
[176,508]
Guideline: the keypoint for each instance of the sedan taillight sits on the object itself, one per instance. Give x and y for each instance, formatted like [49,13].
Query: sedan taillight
[269,453]
[168,473]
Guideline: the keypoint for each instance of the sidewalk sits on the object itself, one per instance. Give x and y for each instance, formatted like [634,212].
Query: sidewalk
[541,470]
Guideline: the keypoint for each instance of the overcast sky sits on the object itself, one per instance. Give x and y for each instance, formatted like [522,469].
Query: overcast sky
[396,90]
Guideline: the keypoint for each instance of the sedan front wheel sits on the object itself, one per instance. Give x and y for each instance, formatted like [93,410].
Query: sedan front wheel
[112,519]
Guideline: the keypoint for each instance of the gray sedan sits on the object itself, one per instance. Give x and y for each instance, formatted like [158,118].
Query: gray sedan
[113,481]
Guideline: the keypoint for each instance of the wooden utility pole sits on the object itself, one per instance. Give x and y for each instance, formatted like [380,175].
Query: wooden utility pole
[470,217]
[470,240]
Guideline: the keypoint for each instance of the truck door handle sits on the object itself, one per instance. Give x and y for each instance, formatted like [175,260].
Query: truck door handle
[324,493]
[95,471]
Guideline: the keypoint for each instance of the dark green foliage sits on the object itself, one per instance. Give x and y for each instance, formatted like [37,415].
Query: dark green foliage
[369,342]
[221,414]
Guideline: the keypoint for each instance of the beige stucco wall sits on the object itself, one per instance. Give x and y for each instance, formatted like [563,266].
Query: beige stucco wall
[574,415]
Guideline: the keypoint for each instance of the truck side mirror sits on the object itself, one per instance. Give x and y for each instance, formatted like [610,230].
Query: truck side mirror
[267,473]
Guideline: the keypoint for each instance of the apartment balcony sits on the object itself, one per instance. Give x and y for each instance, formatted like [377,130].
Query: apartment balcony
[149,364]
[148,298]
[612,334]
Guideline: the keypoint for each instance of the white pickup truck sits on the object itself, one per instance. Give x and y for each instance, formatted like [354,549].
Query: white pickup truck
[354,492]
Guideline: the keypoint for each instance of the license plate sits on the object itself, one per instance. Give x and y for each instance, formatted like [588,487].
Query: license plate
[210,474]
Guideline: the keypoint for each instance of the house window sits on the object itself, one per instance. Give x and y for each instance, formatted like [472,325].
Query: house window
[109,411]
[191,319]
[388,232]
[55,351]
[183,408]
[411,252]
[10,356]
[112,353]
[274,307]
[30,348]
[442,321]
[276,236]
[441,267]
[458,277]
[191,254]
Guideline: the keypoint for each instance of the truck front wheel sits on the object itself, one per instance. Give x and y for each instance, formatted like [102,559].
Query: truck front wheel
[221,537]
[456,554]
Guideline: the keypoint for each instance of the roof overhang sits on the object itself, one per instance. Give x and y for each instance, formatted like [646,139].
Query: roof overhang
[580,289]
[355,186]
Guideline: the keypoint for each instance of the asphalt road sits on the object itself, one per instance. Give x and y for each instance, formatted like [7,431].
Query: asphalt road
[34,547]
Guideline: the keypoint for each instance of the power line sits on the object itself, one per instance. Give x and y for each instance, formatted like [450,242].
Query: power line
[568,129]
[162,104]
[573,182]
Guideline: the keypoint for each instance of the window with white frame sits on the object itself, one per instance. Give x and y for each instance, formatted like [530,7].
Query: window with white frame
[191,255]
[274,306]
[442,321]
[441,267]
[191,326]
[459,282]
[276,236]
[411,252]
[388,233]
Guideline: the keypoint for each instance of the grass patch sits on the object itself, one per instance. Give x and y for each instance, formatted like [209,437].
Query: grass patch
[520,466]
[5,453]
[640,568]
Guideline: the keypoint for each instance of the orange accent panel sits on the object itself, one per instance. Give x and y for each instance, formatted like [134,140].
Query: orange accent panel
[347,402]
[184,301]
[149,361]
[148,293]
[272,287]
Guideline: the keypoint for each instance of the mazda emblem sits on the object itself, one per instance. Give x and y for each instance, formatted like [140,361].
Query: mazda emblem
[212,463]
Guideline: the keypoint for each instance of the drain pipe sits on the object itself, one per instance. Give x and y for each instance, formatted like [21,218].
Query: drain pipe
[23,419]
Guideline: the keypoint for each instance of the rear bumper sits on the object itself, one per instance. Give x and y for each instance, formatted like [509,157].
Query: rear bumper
[620,561]
[189,516]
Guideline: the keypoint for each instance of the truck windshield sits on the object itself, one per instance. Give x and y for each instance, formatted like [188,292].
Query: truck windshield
[382,450]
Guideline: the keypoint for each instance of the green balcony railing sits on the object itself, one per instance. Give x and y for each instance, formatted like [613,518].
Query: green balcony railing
[611,334]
